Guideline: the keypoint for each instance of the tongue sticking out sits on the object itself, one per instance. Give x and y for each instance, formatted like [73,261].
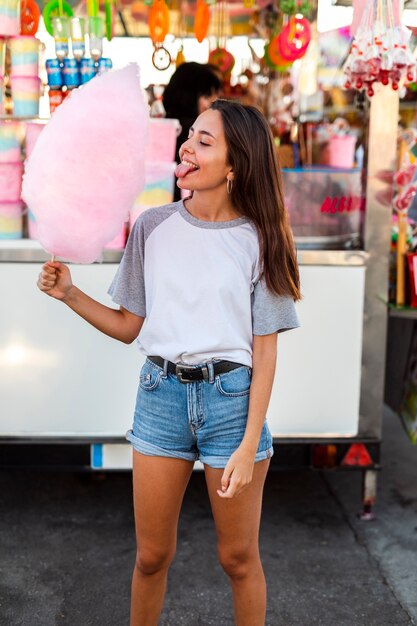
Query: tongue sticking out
[182,170]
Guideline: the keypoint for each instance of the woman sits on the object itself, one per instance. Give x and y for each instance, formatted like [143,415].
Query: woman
[191,90]
[205,284]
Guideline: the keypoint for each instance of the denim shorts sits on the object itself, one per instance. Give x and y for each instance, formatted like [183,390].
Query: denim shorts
[202,420]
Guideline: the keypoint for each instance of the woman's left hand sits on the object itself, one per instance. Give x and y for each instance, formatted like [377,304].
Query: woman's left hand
[237,474]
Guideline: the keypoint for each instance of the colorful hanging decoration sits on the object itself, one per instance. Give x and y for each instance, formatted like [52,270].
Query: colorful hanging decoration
[220,57]
[406,187]
[294,38]
[287,44]
[158,21]
[379,52]
[110,17]
[406,190]
[223,59]
[29,17]
[273,58]
[201,20]
[161,58]
[55,8]
[158,29]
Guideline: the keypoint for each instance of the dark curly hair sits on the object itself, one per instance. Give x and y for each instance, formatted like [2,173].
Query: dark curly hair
[180,98]
[187,84]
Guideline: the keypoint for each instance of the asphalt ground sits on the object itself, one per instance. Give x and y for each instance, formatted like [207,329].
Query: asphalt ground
[67,548]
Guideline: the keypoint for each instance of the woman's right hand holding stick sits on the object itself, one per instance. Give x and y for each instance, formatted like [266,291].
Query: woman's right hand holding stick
[55,280]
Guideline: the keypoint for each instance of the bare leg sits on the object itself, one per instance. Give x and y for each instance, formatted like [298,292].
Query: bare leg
[159,484]
[237,524]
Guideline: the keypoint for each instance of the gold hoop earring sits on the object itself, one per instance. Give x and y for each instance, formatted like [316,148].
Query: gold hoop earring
[229,185]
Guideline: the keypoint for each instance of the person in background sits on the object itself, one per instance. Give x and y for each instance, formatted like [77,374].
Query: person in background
[191,90]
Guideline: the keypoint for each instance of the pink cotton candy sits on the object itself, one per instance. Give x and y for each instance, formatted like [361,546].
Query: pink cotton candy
[87,167]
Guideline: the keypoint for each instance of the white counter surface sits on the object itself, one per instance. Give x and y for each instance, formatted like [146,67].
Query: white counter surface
[30,251]
[61,378]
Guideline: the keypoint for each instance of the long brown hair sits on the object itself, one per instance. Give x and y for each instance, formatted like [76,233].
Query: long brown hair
[257,193]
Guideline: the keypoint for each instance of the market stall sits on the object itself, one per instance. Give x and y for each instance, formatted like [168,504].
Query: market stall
[64,385]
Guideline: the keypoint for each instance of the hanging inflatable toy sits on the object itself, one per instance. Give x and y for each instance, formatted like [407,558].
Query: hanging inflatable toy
[294,38]
[158,29]
[55,8]
[273,58]
[201,20]
[29,17]
[158,21]
[223,59]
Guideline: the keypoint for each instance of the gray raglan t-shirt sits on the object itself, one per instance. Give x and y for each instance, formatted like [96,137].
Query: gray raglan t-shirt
[197,285]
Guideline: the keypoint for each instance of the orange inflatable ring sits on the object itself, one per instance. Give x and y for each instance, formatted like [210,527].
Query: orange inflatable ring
[274,54]
[30,15]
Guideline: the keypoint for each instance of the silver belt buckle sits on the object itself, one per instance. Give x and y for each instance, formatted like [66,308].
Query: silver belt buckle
[189,368]
[179,373]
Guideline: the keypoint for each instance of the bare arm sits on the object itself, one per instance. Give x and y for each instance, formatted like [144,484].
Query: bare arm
[239,469]
[55,281]
[264,360]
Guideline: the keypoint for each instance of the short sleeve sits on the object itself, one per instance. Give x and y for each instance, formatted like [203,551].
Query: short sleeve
[128,286]
[271,313]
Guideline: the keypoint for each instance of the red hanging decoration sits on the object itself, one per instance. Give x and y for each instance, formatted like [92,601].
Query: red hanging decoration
[221,58]
[294,38]
[29,17]
[379,51]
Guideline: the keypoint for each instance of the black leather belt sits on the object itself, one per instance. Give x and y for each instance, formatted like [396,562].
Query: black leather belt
[191,373]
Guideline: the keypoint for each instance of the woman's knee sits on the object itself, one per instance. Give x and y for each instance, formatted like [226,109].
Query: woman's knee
[150,561]
[238,562]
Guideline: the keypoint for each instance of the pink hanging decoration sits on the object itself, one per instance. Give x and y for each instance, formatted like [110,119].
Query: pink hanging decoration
[358,9]
[379,51]
[405,175]
[404,186]
[403,201]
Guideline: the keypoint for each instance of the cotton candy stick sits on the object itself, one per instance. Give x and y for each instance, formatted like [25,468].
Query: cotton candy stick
[87,166]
